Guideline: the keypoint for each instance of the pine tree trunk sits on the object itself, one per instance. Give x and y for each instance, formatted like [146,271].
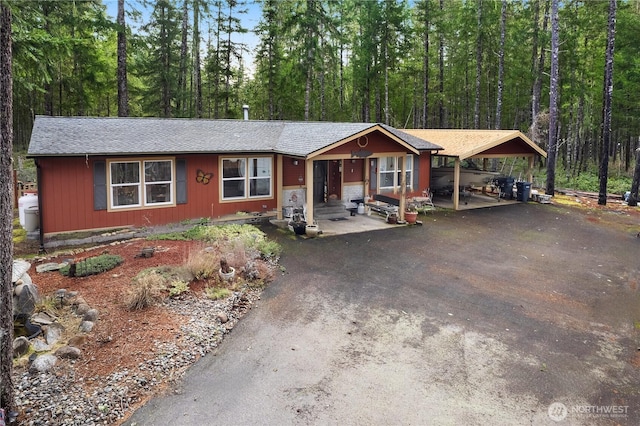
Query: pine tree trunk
[441,55]
[425,68]
[635,184]
[7,397]
[197,76]
[606,108]
[503,25]
[123,91]
[537,84]
[181,103]
[553,100]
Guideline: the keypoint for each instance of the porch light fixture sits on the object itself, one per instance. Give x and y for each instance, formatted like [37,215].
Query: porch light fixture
[295,162]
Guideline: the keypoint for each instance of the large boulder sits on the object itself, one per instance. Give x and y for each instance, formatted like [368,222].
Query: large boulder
[26,302]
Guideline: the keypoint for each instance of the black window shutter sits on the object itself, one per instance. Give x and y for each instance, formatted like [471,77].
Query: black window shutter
[181,181]
[100,185]
[416,173]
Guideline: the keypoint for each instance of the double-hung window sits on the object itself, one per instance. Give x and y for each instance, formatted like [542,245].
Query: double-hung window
[141,183]
[390,172]
[246,177]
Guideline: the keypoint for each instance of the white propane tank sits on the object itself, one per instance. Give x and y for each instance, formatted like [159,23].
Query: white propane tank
[29,199]
[361,208]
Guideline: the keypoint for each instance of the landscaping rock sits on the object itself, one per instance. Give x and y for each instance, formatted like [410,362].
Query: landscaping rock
[48,267]
[91,315]
[43,318]
[20,267]
[43,363]
[68,352]
[39,345]
[77,341]
[222,317]
[52,333]
[26,302]
[20,346]
[86,326]
[82,309]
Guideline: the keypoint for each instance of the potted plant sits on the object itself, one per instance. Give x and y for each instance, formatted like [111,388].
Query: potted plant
[411,214]
[226,272]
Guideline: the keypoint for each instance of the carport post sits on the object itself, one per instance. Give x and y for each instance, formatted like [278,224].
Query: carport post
[456,183]
[530,170]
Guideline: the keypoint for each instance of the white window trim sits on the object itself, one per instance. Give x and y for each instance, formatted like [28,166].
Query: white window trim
[396,172]
[246,178]
[142,185]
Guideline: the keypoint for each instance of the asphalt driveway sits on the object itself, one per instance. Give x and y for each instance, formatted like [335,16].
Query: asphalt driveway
[522,314]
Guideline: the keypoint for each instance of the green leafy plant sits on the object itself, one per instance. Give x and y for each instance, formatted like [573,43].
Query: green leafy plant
[92,265]
[177,287]
[216,293]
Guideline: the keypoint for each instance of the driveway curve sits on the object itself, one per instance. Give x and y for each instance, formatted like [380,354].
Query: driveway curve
[521,314]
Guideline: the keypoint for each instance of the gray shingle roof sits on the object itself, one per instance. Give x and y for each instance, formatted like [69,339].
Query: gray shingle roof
[73,136]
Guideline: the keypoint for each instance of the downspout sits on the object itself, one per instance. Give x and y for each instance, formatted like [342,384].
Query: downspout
[41,250]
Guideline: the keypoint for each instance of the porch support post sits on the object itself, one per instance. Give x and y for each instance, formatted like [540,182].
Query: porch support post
[403,186]
[530,170]
[456,183]
[308,181]
[279,187]
[367,177]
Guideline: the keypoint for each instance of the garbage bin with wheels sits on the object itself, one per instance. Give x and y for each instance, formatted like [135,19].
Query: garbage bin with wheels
[523,190]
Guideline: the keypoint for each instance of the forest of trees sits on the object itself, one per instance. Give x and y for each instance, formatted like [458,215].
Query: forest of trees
[421,63]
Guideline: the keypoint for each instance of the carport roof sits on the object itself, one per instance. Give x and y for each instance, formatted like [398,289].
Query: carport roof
[477,143]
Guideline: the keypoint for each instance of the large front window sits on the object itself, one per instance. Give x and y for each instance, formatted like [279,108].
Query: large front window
[246,177]
[390,173]
[142,183]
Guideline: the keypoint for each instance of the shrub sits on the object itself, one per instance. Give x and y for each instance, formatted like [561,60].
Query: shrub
[203,265]
[216,293]
[269,249]
[177,287]
[92,265]
[147,290]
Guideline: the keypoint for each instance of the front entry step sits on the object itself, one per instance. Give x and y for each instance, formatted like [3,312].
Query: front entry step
[331,210]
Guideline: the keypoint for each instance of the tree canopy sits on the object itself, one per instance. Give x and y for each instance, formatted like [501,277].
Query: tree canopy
[426,63]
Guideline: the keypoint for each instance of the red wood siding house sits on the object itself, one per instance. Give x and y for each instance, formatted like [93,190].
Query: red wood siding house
[101,173]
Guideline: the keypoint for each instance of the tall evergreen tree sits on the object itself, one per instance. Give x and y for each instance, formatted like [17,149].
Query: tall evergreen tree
[7,393]
[123,91]
[607,96]
[553,102]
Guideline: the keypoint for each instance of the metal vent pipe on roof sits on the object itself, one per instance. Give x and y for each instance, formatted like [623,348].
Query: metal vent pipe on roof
[245,111]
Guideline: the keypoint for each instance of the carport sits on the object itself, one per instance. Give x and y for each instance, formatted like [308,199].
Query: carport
[479,144]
